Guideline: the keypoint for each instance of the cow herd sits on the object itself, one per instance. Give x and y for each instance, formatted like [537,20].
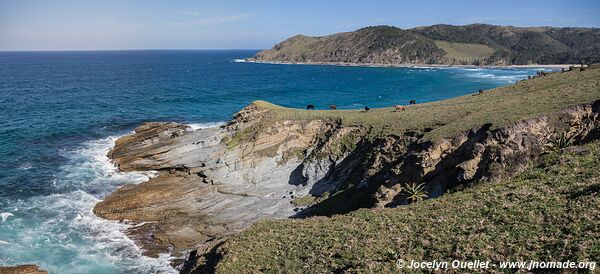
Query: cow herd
[397,108]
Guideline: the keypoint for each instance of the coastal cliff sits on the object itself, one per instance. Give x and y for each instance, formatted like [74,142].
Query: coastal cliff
[476,44]
[271,162]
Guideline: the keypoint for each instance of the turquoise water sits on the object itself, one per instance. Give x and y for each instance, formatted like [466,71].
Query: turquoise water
[61,111]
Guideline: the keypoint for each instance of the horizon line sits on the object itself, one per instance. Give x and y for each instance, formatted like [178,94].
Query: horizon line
[158,49]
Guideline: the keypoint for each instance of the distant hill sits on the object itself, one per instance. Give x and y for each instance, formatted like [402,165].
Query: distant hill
[477,44]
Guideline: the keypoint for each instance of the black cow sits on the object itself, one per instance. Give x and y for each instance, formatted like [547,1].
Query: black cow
[412,102]
[310,107]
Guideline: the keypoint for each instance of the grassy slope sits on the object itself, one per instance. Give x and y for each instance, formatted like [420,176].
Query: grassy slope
[293,47]
[549,213]
[464,50]
[500,107]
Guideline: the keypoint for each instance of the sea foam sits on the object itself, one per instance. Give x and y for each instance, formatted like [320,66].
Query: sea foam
[80,241]
[195,127]
[5,215]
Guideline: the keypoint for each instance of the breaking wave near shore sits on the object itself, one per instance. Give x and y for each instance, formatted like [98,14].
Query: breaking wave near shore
[61,233]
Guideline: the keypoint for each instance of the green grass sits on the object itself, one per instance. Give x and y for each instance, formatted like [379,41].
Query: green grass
[548,213]
[499,107]
[465,50]
[309,200]
[292,48]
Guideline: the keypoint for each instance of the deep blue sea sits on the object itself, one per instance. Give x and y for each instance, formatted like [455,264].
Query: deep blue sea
[60,112]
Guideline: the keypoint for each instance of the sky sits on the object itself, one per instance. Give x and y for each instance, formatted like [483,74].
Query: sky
[256,24]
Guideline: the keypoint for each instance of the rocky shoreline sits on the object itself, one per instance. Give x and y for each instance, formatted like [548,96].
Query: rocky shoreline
[204,191]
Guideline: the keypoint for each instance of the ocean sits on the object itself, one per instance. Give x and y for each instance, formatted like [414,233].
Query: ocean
[60,112]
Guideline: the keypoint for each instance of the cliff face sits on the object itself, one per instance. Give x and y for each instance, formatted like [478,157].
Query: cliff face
[476,44]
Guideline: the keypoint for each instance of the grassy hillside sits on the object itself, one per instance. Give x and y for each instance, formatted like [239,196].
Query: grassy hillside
[444,44]
[292,48]
[549,213]
[499,107]
[464,50]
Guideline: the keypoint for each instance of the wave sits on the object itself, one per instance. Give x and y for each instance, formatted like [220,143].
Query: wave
[25,166]
[498,77]
[424,67]
[239,60]
[471,69]
[198,126]
[5,215]
[64,223]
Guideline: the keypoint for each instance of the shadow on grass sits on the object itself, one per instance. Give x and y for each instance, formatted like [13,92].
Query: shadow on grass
[587,191]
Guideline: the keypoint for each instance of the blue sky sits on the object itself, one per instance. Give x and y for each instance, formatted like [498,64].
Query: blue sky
[256,24]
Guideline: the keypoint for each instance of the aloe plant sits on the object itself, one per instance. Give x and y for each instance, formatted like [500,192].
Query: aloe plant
[416,193]
[561,140]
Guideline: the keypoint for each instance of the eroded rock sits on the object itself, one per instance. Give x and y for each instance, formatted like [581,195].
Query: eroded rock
[484,154]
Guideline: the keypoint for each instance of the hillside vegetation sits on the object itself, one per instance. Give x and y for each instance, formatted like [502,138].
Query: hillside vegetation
[549,213]
[476,44]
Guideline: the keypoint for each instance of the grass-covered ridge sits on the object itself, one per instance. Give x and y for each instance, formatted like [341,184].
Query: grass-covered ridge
[498,107]
[548,213]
